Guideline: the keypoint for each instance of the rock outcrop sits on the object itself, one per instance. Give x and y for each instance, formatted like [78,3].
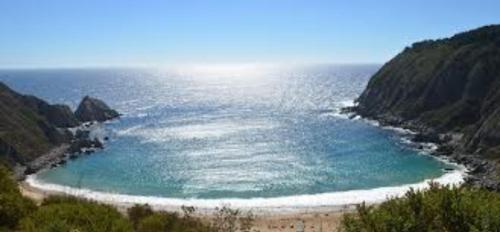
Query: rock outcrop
[92,109]
[58,115]
[25,131]
[447,89]
[34,134]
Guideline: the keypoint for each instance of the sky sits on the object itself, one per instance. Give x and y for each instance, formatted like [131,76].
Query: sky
[102,33]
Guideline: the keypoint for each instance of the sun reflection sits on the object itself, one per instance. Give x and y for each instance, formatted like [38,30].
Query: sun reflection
[232,70]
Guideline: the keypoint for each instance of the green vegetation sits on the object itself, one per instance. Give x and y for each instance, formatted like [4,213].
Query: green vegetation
[60,213]
[13,206]
[227,219]
[145,219]
[447,86]
[70,214]
[28,126]
[138,212]
[440,208]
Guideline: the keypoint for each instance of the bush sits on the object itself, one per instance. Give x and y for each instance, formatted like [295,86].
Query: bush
[157,222]
[13,206]
[230,220]
[63,213]
[171,222]
[71,214]
[139,212]
[440,208]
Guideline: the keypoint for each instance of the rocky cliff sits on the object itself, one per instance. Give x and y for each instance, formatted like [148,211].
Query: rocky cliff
[32,129]
[447,89]
[28,126]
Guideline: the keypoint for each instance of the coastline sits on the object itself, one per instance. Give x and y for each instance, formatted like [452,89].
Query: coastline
[321,218]
[324,211]
[317,203]
[447,146]
[325,219]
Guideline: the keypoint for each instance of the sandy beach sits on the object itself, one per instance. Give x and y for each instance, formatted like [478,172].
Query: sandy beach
[317,217]
[323,219]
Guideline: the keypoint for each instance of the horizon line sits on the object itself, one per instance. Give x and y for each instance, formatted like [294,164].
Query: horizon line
[182,65]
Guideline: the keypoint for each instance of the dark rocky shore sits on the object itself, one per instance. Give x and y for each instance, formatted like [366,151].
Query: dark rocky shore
[35,134]
[448,91]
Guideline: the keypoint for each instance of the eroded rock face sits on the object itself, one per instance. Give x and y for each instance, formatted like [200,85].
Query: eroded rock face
[92,109]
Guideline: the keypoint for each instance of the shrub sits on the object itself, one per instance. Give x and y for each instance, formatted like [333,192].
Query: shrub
[71,214]
[230,220]
[139,212]
[157,222]
[13,206]
[60,199]
[440,208]
[171,222]
[64,213]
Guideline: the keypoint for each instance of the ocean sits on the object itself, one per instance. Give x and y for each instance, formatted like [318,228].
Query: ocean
[250,136]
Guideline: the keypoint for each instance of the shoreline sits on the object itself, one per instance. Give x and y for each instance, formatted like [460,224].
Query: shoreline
[448,146]
[325,219]
[318,203]
[318,218]
[313,217]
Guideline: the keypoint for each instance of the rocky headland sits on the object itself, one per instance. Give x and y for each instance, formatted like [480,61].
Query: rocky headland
[35,134]
[447,90]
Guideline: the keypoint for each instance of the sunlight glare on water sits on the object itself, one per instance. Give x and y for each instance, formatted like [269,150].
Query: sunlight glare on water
[213,132]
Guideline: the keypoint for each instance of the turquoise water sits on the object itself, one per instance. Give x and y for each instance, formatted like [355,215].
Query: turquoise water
[229,133]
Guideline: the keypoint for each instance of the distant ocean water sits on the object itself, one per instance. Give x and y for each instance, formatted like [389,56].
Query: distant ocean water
[252,136]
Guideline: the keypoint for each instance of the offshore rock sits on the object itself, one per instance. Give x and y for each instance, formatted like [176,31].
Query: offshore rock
[92,109]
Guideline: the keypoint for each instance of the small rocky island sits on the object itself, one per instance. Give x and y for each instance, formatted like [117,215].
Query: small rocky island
[35,134]
[92,109]
[448,90]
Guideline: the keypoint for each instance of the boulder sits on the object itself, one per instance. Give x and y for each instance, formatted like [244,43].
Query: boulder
[92,109]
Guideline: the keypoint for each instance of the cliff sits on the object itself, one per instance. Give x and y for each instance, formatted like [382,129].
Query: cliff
[34,133]
[29,126]
[447,89]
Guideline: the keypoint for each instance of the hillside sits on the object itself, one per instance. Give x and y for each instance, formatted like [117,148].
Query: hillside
[447,89]
[34,133]
[29,126]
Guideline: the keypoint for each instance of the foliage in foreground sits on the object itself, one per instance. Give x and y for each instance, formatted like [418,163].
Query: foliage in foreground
[146,220]
[59,213]
[440,208]
[13,206]
[71,214]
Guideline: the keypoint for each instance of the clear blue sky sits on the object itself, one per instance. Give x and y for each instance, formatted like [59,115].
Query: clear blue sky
[66,33]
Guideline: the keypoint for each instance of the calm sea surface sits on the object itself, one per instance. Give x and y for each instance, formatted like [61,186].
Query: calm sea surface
[242,133]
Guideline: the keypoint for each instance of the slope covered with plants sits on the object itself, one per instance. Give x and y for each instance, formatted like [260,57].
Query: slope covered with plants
[449,91]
